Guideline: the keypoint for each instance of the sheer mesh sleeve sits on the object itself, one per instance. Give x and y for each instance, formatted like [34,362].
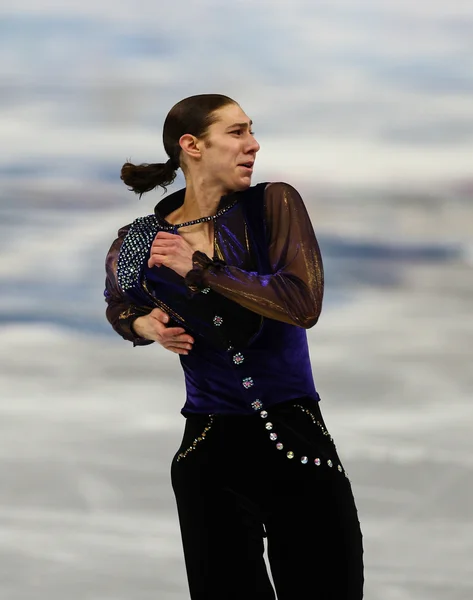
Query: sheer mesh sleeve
[120,313]
[293,292]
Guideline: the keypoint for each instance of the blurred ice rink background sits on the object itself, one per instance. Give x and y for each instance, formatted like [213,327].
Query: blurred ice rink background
[365,106]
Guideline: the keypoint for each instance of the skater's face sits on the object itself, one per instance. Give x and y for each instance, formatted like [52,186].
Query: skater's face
[225,156]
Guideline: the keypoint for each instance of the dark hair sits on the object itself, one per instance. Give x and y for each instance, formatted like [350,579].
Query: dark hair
[192,115]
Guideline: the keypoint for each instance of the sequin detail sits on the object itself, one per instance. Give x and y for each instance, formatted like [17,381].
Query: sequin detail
[248,382]
[317,462]
[279,446]
[263,414]
[269,426]
[304,460]
[258,405]
[198,439]
[290,454]
[134,250]
[273,437]
[217,321]
[238,359]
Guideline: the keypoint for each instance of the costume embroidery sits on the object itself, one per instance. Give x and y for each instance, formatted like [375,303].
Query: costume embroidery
[129,312]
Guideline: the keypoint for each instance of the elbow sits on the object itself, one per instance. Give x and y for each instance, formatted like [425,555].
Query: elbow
[310,307]
[308,320]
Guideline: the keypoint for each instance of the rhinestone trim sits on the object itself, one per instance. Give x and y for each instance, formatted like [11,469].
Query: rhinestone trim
[290,454]
[134,249]
[217,321]
[315,421]
[258,405]
[197,440]
[218,214]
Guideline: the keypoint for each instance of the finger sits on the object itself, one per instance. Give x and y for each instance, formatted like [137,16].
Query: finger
[174,344]
[159,315]
[175,332]
[169,336]
[182,343]
[178,350]
[163,243]
[156,260]
[159,251]
[165,235]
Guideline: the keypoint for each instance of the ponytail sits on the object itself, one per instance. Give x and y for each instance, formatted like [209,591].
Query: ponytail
[194,116]
[144,178]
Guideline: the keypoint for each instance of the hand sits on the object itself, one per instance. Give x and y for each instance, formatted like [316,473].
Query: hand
[172,251]
[154,327]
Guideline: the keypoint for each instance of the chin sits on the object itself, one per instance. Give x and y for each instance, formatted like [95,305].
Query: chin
[243,184]
[238,186]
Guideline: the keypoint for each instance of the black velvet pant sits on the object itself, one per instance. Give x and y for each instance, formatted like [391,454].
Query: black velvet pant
[235,487]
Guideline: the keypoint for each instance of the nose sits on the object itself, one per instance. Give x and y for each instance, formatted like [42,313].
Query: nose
[253,145]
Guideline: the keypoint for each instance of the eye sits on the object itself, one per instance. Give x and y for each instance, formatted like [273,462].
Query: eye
[241,131]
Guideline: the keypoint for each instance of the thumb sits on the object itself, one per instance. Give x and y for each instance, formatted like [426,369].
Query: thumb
[159,315]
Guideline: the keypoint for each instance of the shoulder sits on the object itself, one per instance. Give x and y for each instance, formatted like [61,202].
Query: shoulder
[144,225]
[269,190]
[139,225]
[280,189]
[139,232]
[279,195]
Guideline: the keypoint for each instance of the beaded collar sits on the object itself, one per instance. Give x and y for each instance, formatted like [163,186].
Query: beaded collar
[176,200]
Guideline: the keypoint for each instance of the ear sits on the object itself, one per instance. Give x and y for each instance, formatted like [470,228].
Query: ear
[190,145]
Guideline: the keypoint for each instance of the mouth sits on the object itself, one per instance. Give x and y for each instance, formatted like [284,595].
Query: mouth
[248,165]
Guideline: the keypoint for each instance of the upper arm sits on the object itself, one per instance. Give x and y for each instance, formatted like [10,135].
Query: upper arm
[292,244]
[120,312]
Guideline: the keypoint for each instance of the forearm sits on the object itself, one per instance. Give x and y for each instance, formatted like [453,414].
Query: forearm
[280,296]
[292,285]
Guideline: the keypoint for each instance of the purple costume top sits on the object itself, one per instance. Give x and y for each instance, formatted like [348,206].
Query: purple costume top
[247,307]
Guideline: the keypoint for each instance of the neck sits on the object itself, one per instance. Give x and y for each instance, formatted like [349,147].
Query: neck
[201,200]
